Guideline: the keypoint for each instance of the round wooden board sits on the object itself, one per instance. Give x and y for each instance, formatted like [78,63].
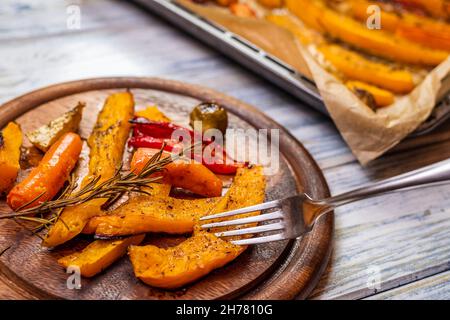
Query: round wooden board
[282,270]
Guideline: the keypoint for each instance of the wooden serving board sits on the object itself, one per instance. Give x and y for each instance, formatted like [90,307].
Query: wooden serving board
[282,270]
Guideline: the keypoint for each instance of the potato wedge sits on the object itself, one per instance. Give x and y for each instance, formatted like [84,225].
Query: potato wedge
[107,142]
[99,255]
[44,137]
[196,257]
[10,143]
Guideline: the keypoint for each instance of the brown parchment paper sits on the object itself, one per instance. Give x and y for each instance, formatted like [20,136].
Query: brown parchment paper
[369,134]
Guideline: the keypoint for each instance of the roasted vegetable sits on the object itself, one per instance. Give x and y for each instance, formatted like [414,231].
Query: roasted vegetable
[146,214]
[271,3]
[373,96]
[153,113]
[211,116]
[99,255]
[436,8]
[226,3]
[177,266]
[155,190]
[426,31]
[10,143]
[356,67]
[43,137]
[242,10]
[47,179]
[156,135]
[186,174]
[348,63]
[377,42]
[107,142]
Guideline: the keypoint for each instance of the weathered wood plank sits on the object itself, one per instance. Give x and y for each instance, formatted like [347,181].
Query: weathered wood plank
[405,235]
[432,288]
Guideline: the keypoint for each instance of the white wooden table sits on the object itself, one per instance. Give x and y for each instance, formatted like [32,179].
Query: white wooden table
[402,240]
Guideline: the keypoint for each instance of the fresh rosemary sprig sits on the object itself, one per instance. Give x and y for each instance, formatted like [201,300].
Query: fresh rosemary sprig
[111,189]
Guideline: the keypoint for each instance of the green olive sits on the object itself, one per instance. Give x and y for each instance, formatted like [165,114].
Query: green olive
[211,115]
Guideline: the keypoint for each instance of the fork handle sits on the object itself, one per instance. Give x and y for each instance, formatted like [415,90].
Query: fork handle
[438,172]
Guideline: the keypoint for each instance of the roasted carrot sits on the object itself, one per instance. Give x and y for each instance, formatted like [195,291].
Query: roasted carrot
[423,30]
[187,174]
[373,96]
[45,181]
[348,63]
[381,43]
[436,8]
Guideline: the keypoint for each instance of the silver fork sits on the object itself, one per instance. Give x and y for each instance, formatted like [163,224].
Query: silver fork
[295,216]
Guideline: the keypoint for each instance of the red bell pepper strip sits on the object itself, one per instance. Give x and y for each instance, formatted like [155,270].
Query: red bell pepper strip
[151,142]
[151,134]
[164,130]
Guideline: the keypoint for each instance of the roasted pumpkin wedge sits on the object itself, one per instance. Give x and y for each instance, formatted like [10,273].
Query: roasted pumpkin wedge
[10,143]
[155,190]
[106,142]
[426,31]
[317,15]
[149,214]
[153,113]
[44,137]
[186,174]
[99,255]
[371,95]
[348,63]
[177,266]
[271,3]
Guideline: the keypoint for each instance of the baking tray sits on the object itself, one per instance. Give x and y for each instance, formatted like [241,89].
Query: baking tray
[261,62]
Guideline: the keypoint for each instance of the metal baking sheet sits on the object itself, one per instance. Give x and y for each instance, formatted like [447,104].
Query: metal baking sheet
[259,61]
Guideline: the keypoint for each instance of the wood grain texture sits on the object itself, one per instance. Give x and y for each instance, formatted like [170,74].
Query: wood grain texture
[275,264]
[118,38]
[427,289]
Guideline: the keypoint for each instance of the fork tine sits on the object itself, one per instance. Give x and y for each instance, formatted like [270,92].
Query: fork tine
[263,217]
[259,240]
[264,228]
[258,207]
